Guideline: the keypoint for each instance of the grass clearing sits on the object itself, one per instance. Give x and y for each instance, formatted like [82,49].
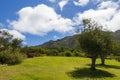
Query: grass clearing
[60,68]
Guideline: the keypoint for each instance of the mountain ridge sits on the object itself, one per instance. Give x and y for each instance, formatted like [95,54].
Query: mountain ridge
[71,41]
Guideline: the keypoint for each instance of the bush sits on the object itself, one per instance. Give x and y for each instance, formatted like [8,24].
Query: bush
[11,58]
[79,54]
[68,53]
[30,55]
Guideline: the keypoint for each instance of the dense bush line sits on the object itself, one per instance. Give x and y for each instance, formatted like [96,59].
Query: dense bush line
[38,51]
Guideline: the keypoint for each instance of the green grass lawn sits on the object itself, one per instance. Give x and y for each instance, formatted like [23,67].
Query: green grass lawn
[60,68]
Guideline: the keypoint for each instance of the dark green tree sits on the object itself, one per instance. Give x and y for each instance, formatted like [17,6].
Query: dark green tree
[5,40]
[16,43]
[95,42]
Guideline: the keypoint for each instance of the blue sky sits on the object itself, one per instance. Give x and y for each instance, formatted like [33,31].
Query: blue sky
[38,21]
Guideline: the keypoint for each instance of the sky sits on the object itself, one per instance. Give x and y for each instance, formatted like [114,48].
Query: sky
[38,21]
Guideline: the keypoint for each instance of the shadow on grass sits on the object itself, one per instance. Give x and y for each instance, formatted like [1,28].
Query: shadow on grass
[87,73]
[108,66]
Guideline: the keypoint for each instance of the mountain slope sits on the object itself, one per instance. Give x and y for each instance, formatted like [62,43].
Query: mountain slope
[67,42]
[71,41]
[117,35]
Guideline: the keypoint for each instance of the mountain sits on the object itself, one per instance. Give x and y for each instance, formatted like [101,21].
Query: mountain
[67,42]
[71,41]
[117,35]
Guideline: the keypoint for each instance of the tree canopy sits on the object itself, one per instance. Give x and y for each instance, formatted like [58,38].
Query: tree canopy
[95,42]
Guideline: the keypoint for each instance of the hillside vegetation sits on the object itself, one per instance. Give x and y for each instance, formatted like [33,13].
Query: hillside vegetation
[60,68]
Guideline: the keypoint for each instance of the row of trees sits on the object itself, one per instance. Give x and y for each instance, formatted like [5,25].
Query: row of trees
[96,42]
[53,51]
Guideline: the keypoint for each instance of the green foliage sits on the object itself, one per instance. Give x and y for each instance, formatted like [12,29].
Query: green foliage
[79,54]
[16,43]
[58,51]
[95,42]
[10,49]
[34,51]
[11,57]
[68,53]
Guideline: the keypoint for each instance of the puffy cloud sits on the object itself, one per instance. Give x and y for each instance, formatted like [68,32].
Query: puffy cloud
[106,15]
[108,4]
[62,3]
[15,34]
[97,15]
[114,23]
[81,2]
[40,20]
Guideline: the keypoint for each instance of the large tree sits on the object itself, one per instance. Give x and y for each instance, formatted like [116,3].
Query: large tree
[95,42]
[6,40]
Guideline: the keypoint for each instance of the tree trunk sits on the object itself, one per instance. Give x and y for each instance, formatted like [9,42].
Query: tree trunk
[102,59]
[93,62]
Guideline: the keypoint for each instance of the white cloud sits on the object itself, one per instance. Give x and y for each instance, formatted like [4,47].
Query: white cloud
[62,3]
[106,15]
[40,20]
[81,2]
[52,1]
[114,23]
[97,15]
[15,34]
[108,4]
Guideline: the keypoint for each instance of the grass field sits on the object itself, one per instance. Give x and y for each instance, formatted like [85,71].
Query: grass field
[60,68]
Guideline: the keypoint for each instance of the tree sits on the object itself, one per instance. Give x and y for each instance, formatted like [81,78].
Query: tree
[5,39]
[16,43]
[95,42]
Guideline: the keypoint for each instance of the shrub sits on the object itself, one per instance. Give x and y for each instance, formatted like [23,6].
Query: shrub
[11,58]
[30,55]
[79,54]
[68,53]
